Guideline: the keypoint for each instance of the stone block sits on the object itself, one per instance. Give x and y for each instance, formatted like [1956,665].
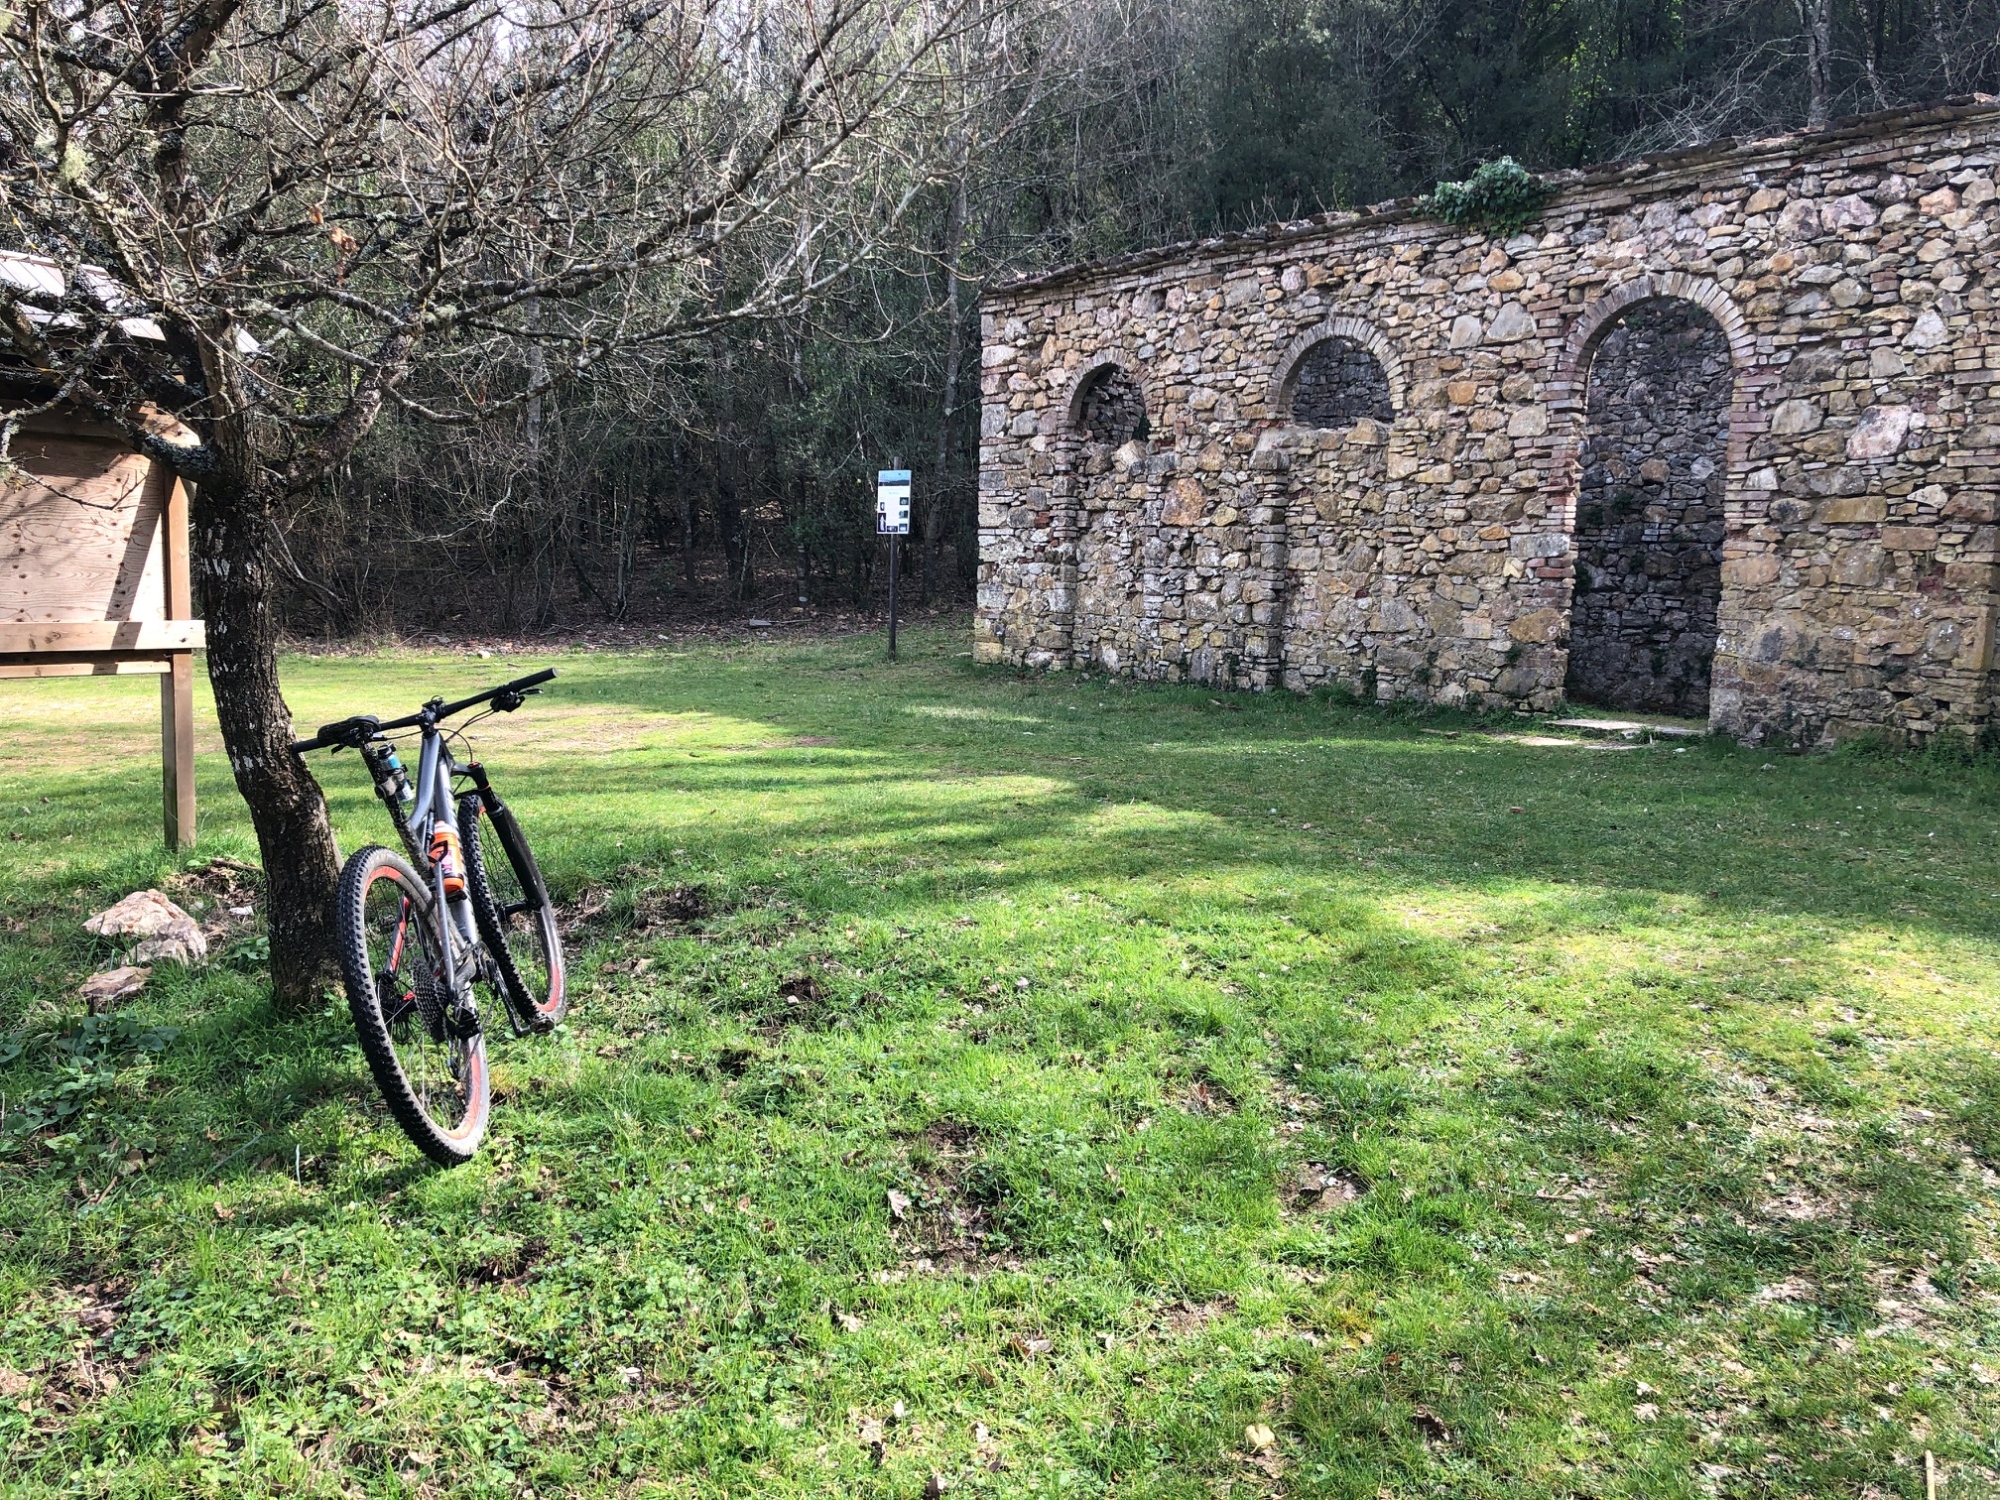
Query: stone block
[1910,538]
[1796,416]
[1750,572]
[1538,626]
[1879,433]
[1854,510]
[1510,325]
[1187,502]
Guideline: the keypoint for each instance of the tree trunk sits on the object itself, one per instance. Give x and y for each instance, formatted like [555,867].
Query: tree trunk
[233,571]
[1816,18]
[954,357]
[1945,50]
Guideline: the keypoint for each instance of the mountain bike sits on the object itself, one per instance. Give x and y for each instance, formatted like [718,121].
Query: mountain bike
[417,929]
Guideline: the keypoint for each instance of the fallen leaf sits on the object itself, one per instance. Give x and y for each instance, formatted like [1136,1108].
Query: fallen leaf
[934,1487]
[899,1204]
[1646,1411]
[1029,1348]
[224,1211]
[848,1322]
[1260,1438]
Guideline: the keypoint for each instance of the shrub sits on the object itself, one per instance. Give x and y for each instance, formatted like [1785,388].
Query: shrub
[1501,197]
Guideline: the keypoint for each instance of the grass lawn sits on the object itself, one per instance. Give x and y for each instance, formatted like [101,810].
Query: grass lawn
[1034,1087]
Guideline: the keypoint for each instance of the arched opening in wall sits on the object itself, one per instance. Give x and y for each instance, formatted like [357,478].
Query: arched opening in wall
[1111,408]
[1337,383]
[1649,522]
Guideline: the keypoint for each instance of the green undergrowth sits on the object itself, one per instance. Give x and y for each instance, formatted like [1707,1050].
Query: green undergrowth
[1032,1086]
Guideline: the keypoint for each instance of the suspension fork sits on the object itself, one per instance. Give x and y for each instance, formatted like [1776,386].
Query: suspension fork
[502,818]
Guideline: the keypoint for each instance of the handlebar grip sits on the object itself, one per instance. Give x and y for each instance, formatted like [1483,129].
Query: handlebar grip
[355,731]
[547,674]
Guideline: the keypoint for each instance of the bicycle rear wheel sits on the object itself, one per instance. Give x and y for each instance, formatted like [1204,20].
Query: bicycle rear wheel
[516,919]
[392,958]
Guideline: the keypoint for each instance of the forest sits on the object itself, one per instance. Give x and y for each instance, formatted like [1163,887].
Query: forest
[724,463]
[736,473]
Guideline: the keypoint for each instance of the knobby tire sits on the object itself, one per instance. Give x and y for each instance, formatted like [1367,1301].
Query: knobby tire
[515,918]
[387,925]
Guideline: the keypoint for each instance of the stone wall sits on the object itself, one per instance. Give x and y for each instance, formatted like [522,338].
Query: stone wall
[1261,532]
[1649,528]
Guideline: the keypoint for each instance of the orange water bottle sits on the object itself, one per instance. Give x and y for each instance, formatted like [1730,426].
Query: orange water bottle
[449,857]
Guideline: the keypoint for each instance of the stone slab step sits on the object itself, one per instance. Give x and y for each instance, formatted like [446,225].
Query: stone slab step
[1631,728]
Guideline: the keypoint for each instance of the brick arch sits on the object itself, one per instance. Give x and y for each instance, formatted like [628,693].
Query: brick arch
[1080,387]
[1568,392]
[1356,331]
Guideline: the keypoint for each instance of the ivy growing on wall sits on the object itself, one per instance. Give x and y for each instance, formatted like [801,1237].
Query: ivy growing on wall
[1501,197]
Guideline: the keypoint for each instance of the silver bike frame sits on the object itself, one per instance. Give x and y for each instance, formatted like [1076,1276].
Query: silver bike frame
[436,807]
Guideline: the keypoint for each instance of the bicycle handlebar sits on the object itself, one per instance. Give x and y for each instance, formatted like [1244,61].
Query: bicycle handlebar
[362,728]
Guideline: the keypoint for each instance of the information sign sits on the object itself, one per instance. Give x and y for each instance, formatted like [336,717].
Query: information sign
[892,502]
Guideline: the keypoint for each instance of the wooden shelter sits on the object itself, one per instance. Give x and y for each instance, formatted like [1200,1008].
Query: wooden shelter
[94,578]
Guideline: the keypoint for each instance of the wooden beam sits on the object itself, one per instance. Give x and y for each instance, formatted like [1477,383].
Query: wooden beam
[72,636]
[85,664]
[174,531]
[177,750]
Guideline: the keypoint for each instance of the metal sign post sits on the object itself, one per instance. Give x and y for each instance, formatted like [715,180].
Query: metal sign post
[892,519]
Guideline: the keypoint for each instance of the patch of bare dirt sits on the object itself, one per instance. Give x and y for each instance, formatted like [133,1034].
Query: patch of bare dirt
[222,895]
[943,1222]
[1177,1319]
[509,1267]
[654,909]
[1315,1188]
[56,1390]
[674,906]
[1208,1095]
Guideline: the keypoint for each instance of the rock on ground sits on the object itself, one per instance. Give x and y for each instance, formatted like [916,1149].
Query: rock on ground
[165,931]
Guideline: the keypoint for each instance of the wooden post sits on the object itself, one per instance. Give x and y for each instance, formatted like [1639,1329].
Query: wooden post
[177,682]
[177,750]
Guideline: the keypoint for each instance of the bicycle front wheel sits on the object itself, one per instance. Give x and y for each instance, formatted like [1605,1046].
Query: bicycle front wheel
[392,960]
[517,922]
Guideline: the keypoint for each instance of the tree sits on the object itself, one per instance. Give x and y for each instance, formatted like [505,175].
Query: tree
[275,220]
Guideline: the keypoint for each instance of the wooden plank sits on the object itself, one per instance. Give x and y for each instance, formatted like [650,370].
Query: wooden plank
[177,751]
[91,664]
[80,533]
[174,537]
[103,635]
